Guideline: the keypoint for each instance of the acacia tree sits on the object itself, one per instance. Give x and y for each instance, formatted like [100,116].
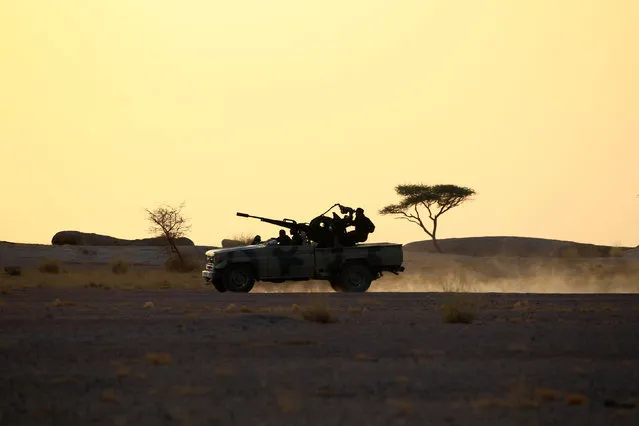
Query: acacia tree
[169,221]
[437,199]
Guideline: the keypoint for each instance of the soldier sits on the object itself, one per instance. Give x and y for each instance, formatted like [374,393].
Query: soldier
[283,239]
[256,240]
[363,226]
[296,239]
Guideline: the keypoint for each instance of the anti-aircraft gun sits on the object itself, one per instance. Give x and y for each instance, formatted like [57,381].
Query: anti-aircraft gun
[323,230]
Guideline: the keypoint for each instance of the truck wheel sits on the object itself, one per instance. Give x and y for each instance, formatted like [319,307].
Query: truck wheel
[219,286]
[355,277]
[335,285]
[239,279]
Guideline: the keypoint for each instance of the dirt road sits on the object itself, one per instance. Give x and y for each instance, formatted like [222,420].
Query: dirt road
[107,357]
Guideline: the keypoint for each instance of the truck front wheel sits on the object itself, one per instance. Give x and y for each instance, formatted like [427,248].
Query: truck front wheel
[239,279]
[355,277]
[219,285]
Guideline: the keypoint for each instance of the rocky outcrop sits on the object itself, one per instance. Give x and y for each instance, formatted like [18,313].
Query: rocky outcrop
[77,238]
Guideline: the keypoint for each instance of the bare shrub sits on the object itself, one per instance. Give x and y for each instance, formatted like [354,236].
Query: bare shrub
[169,221]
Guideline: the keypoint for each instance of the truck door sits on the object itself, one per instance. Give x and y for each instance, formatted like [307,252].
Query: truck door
[292,261]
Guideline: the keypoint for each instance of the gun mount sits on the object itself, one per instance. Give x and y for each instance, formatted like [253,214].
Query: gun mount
[324,230]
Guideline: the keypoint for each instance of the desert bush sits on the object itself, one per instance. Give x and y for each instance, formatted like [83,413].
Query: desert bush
[50,266]
[120,266]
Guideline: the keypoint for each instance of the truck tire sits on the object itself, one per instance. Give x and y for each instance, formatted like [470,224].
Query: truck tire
[239,279]
[219,286]
[355,278]
[335,285]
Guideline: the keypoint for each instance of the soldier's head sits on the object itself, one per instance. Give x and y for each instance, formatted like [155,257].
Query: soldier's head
[282,233]
[359,211]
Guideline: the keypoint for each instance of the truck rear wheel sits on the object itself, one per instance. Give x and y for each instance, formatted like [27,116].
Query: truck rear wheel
[355,277]
[239,279]
[335,285]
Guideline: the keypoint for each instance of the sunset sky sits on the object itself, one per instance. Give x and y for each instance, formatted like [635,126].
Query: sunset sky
[282,108]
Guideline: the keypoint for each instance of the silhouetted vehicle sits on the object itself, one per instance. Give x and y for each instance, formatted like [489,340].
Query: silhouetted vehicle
[348,267]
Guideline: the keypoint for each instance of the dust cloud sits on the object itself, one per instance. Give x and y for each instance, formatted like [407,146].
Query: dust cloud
[456,273]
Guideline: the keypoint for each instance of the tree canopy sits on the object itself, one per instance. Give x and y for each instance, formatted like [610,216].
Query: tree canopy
[436,199]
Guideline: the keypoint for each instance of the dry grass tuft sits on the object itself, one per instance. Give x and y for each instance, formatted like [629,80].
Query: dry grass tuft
[191,390]
[58,302]
[459,311]
[13,271]
[288,401]
[120,266]
[109,395]
[546,394]
[403,406]
[576,399]
[186,265]
[159,358]
[370,302]
[223,371]
[318,311]
[365,357]
[50,266]
[519,396]
[123,371]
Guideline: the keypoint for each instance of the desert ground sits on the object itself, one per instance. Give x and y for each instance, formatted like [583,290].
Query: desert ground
[457,339]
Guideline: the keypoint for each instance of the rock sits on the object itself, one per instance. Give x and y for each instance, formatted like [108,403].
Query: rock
[77,238]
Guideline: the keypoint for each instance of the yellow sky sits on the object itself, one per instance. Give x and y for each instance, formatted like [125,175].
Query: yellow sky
[282,108]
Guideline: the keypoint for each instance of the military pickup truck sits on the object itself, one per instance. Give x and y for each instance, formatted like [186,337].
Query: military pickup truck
[348,269]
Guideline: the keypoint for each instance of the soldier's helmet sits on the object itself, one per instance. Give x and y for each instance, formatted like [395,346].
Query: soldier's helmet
[359,210]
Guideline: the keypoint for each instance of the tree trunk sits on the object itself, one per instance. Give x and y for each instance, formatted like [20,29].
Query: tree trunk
[436,244]
[434,236]
[174,247]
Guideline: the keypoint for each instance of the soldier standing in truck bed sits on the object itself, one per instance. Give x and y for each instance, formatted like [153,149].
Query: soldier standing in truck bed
[363,226]
[283,239]
[296,237]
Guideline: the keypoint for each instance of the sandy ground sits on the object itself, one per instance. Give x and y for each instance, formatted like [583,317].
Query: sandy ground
[198,357]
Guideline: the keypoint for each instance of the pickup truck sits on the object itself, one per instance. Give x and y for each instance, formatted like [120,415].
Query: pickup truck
[348,269]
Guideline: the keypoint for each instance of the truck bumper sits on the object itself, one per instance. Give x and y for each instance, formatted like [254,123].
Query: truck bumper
[210,276]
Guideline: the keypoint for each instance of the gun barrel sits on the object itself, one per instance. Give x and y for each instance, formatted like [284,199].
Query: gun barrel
[286,223]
